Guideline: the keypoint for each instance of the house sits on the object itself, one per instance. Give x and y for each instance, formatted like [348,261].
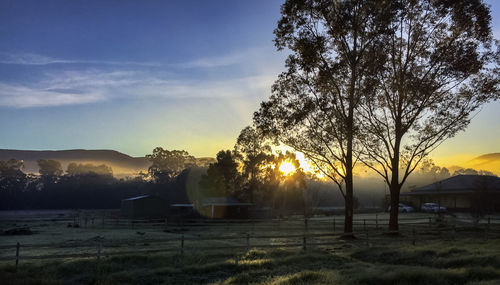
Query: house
[461,192]
[223,207]
[146,206]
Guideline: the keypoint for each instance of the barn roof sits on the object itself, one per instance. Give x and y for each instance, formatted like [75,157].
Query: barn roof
[459,184]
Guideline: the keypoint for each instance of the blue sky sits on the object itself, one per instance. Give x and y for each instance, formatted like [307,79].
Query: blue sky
[133,75]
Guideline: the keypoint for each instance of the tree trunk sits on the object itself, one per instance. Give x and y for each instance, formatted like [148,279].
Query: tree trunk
[394,213]
[348,202]
[349,192]
[394,186]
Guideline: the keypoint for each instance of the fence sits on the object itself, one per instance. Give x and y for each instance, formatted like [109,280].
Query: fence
[366,229]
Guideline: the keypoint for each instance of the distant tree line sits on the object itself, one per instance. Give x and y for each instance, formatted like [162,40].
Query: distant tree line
[83,185]
[250,173]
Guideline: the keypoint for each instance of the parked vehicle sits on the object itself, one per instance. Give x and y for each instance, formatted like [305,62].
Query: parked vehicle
[402,208]
[432,208]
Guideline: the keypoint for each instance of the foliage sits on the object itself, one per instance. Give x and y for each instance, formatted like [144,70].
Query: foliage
[12,177]
[286,191]
[49,167]
[166,164]
[470,171]
[253,152]
[76,169]
[222,178]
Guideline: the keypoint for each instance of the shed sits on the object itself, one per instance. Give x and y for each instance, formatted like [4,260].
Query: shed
[224,207]
[146,206]
[461,192]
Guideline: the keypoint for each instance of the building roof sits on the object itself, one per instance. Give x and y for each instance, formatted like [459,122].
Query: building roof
[142,197]
[460,184]
[223,201]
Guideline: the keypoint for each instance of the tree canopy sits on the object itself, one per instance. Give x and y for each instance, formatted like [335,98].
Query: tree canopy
[167,164]
[49,167]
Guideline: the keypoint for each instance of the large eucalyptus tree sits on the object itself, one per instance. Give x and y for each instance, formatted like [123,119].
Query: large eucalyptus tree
[440,68]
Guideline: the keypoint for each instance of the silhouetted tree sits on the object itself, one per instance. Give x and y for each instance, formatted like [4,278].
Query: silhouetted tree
[336,49]
[440,68]
[166,164]
[471,171]
[12,178]
[75,169]
[49,167]
[50,171]
[222,178]
[286,189]
[254,153]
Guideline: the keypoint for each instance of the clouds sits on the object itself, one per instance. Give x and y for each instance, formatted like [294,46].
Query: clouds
[74,82]
[24,97]
[91,86]
[37,59]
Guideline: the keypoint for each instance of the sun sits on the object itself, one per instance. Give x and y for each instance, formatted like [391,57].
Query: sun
[287,167]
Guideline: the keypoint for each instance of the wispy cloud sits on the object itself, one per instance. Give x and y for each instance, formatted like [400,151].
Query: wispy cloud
[23,97]
[82,87]
[239,57]
[72,84]
[37,59]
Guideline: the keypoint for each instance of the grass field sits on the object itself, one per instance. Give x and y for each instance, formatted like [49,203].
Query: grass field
[442,254]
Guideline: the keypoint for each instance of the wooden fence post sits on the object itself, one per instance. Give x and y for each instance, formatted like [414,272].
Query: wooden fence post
[305,224]
[248,241]
[17,254]
[334,224]
[182,244]
[304,243]
[413,235]
[430,221]
[376,221]
[364,225]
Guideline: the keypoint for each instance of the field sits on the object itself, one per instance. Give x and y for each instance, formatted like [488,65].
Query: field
[104,249]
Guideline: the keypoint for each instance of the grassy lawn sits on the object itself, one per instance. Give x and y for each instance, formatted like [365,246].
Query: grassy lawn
[440,256]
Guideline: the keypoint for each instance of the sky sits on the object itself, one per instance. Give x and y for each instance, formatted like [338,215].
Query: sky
[134,75]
